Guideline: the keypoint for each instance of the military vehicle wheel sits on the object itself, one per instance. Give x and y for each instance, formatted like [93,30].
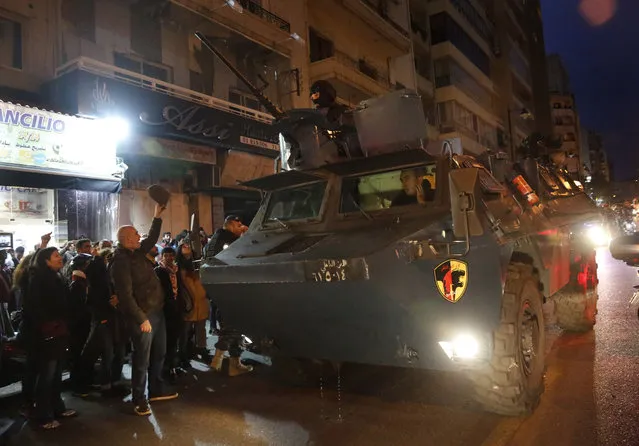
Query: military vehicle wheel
[576,304]
[511,383]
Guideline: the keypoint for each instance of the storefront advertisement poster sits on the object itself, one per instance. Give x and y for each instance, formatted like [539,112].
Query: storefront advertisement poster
[20,202]
[36,138]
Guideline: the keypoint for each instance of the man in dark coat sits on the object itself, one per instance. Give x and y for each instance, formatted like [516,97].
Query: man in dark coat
[141,300]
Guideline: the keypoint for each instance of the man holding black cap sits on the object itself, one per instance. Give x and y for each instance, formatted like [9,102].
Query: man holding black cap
[228,340]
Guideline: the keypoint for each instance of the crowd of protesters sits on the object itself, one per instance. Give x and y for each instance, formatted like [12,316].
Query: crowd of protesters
[90,301]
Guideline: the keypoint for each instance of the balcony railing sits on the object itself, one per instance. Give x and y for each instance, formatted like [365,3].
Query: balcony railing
[267,16]
[380,6]
[367,68]
[136,79]
[456,77]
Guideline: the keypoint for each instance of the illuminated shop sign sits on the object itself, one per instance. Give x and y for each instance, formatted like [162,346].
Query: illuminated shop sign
[44,140]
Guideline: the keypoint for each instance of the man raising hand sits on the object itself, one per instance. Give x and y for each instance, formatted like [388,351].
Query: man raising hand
[141,301]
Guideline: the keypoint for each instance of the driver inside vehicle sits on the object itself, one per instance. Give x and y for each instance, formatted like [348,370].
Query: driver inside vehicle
[416,188]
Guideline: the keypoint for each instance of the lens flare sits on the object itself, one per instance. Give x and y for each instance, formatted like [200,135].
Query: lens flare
[597,12]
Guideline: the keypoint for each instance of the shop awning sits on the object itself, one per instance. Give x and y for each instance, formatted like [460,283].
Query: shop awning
[55,179]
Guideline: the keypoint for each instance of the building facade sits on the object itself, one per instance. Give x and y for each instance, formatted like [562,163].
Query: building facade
[197,130]
[194,127]
[486,65]
[565,119]
[599,165]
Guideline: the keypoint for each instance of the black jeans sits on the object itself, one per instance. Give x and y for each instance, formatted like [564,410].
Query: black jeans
[48,401]
[30,376]
[79,335]
[174,326]
[102,343]
[149,350]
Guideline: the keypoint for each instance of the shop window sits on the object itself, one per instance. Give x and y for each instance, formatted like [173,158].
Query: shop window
[320,47]
[138,65]
[10,43]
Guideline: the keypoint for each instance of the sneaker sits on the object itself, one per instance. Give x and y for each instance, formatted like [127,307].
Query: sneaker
[50,425]
[142,409]
[165,396]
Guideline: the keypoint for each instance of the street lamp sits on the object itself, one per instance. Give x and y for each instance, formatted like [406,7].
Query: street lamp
[524,114]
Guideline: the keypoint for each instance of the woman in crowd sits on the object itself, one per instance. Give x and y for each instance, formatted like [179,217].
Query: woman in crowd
[46,319]
[193,294]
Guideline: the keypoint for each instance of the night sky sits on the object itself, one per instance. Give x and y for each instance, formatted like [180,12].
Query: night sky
[603,63]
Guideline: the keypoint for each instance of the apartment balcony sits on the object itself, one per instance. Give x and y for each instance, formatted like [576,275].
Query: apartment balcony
[451,85]
[353,79]
[255,22]
[132,78]
[374,13]
[447,49]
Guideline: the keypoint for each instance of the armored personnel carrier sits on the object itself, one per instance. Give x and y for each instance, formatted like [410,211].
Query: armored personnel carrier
[373,246]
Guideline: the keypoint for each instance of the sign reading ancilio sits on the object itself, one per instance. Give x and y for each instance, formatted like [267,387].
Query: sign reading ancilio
[161,115]
[36,138]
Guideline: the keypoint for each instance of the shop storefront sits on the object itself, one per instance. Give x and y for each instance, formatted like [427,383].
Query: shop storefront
[198,151]
[58,174]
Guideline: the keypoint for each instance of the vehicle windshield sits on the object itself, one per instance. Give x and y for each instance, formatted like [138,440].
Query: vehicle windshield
[390,189]
[296,203]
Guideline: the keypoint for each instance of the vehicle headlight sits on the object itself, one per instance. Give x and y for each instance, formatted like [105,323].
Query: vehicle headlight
[462,347]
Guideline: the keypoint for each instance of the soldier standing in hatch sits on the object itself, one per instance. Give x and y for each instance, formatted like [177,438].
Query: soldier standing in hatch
[323,95]
[220,240]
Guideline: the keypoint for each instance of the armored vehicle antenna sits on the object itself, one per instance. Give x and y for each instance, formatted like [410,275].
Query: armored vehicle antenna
[266,102]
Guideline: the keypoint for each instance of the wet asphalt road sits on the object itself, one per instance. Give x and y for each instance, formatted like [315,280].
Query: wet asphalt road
[591,399]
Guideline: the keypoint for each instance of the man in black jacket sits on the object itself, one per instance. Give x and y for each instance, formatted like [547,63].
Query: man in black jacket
[229,340]
[223,237]
[141,301]
[220,240]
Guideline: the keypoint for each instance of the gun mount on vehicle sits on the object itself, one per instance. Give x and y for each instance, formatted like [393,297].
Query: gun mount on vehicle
[409,254]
